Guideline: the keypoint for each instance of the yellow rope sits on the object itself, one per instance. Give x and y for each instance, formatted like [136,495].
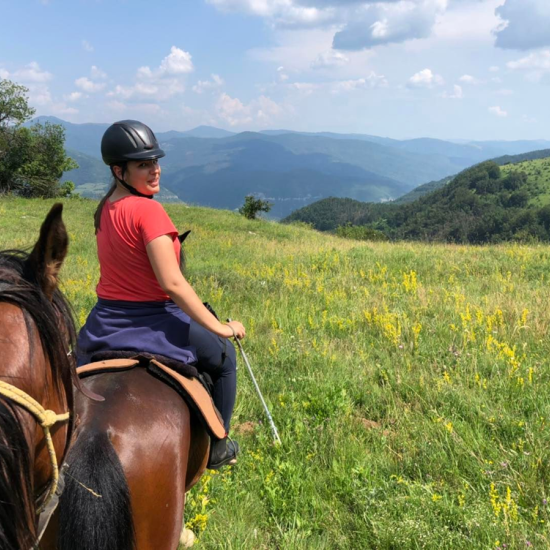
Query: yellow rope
[46,419]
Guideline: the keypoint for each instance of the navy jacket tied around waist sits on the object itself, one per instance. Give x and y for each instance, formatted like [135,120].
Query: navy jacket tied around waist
[154,327]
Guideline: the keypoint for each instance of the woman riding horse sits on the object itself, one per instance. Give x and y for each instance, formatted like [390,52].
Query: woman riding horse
[144,302]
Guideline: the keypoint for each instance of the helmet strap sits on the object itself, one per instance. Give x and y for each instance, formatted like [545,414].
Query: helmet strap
[127,186]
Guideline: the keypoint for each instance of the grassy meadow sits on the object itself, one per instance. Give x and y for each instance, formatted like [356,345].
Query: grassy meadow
[409,383]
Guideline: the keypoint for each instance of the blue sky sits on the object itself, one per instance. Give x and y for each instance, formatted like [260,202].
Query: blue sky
[468,69]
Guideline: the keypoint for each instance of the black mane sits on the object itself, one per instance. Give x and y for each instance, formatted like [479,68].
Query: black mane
[53,320]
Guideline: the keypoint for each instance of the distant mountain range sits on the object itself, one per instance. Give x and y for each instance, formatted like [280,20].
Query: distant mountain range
[214,167]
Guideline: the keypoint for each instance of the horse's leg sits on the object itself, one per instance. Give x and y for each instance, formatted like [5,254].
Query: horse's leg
[149,426]
[196,465]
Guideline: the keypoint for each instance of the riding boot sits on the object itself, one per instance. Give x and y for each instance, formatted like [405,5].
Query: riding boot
[223,451]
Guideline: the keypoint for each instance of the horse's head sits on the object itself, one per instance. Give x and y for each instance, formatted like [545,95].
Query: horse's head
[37,334]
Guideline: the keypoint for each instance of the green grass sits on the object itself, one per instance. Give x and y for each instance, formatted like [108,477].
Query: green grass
[409,383]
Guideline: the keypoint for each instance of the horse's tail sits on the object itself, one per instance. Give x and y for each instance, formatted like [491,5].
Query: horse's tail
[16,517]
[94,509]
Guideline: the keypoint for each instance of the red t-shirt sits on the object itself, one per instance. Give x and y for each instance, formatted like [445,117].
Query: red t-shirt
[127,226]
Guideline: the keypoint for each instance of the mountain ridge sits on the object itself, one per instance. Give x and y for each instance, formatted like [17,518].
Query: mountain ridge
[363,167]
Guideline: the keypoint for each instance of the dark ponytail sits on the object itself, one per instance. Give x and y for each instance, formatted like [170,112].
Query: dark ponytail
[99,209]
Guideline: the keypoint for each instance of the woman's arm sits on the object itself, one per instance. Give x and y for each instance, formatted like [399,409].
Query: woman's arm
[163,261]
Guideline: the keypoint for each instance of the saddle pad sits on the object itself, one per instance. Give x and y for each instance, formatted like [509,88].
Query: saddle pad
[198,398]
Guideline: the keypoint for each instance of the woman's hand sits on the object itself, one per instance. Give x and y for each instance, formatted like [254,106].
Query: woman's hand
[164,264]
[234,329]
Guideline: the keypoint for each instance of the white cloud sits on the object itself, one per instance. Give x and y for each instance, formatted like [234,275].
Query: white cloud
[304,88]
[281,12]
[534,61]
[425,79]
[283,77]
[121,91]
[330,59]
[177,62]
[468,79]
[467,21]
[261,111]
[147,108]
[535,64]
[90,85]
[373,80]
[232,110]
[266,110]
[62,109]
[87,46]
[159,84]
[457,93]
[97,73]
[494,69]
[159,90]
[74,96]
[4,74]
[135,109]
[32,73]
[145,73]
[497,111]
[117,106]
[84,83]
[384,23]
[504,92]
[355,24]
[39,94]
[206,85]
[526,24]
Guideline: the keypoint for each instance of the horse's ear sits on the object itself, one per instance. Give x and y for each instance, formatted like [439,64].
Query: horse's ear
[183,236]
[49,252]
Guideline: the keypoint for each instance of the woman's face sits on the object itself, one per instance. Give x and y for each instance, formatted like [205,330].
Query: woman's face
[143,176]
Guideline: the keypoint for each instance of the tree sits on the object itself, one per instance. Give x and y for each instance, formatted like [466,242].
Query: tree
[40,175]
[32,160]
[14,107]
[252,206]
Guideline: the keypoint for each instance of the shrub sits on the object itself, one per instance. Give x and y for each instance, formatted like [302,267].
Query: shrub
[360,233]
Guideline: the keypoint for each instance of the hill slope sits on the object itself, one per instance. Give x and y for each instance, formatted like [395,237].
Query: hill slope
[409,383]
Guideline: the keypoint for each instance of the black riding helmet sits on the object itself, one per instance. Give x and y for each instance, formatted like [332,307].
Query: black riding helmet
[129,140]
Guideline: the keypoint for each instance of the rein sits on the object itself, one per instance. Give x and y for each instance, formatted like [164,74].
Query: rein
[47,419]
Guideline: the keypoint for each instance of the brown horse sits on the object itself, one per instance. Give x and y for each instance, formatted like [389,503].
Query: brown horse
[36,334]
[135,456]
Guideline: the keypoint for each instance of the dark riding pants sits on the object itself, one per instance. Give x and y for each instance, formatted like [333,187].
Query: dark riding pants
[217,357]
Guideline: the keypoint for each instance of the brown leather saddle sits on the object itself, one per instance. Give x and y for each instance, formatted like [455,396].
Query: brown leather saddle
[189,387]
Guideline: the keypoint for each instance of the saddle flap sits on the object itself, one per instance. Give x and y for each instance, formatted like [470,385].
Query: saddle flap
[200,397]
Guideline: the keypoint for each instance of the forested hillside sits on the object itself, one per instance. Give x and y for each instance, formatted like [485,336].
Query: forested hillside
[426,188]
[483,204]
